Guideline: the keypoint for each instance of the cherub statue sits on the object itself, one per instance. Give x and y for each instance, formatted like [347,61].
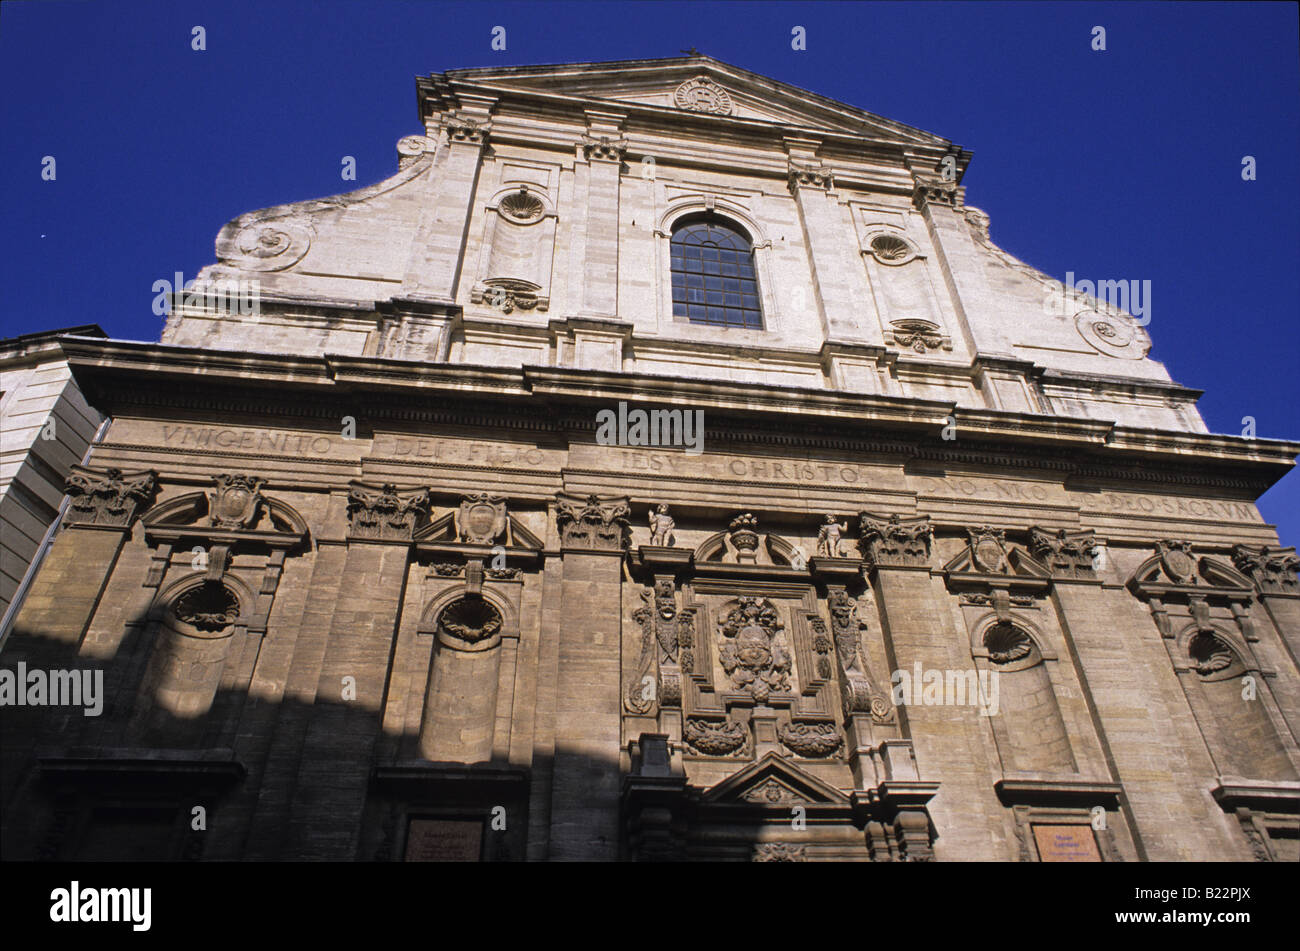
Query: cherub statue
[661,526]
[828,538]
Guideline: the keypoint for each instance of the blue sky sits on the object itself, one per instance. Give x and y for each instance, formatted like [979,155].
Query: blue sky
[1117,164]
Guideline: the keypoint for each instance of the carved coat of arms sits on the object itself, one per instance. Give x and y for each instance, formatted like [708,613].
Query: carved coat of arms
[481,519]
[752,648]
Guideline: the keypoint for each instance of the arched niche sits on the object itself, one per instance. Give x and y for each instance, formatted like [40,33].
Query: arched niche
[1012,658]
[1229,696]
[475,634]
[195,625]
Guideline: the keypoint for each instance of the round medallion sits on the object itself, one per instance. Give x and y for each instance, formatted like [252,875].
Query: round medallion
[1115,336]
[703,95]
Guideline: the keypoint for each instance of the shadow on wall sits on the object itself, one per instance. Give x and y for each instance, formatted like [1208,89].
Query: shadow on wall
[271,779]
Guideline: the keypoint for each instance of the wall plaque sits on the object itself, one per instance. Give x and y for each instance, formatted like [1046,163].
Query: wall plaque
[444,840]
[1066,843]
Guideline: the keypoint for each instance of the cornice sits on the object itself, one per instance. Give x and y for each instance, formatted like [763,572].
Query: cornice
[115,373]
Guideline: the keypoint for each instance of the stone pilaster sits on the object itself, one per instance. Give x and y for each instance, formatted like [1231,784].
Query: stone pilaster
[1138,706]
[603,148]
[949,741]
[433,271]
[584,819]
[332,782]
[837,279]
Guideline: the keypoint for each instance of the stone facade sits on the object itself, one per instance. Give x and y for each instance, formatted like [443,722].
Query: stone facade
[45,429]
[365,580]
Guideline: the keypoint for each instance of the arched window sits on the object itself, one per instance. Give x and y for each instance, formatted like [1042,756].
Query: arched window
[713,275]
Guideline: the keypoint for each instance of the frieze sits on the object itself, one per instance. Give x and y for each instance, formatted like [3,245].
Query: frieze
[779,852]
[1066,554]
[1130,503]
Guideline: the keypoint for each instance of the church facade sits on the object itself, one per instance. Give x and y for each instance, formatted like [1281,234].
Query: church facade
[663,464]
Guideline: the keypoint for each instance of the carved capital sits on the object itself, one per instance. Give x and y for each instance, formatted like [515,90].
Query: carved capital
[384,512]
[603,149]
[895,541]
[1272,569]
[467,131]
[1066,554]
[596,523]
[108,497]
[809,176]
[945,194]
[779,852]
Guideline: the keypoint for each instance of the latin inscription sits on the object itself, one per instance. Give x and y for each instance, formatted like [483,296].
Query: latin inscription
[984,489]
[248,440]
[1164,505]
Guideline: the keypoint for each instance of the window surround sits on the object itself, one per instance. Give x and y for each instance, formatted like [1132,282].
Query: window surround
[666,324]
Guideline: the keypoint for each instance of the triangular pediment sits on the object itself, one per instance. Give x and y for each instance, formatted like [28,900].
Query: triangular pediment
[774,781]
[728,93]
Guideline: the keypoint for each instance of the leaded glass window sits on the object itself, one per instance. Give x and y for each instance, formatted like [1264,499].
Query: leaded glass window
[713,276]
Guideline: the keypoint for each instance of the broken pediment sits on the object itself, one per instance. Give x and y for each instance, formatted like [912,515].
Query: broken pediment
[235,507]
[988,556]
[1176,568]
